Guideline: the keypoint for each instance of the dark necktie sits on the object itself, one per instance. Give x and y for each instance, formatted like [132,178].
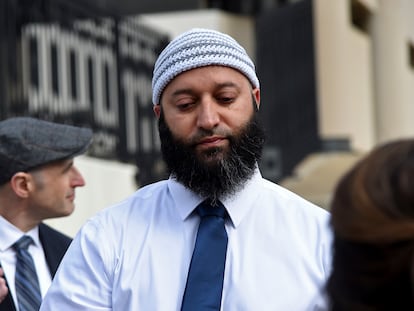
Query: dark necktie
[205,276]
[27,284]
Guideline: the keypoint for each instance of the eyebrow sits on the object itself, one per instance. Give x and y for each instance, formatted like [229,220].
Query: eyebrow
[217,86]
[182,91]
[228,84]
[68,165]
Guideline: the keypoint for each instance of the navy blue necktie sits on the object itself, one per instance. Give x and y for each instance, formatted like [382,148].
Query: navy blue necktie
[26,282]
[205,276]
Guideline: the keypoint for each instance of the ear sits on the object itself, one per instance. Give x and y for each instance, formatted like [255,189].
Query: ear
[256,96]
[21,183]
[157,110]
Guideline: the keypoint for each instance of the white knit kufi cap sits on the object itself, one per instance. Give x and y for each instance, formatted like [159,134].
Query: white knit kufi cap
[198,48]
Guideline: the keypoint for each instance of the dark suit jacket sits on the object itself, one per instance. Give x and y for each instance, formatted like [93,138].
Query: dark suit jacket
[55,245]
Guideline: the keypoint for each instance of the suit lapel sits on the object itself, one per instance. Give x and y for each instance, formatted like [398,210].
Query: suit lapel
[54,245]
[7,304]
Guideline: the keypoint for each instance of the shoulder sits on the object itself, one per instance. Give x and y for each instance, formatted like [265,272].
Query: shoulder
[290,200]
[137,204]
[295,212]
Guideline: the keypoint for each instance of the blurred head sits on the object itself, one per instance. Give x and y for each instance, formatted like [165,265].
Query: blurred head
[210,136]
[374,202]
[373,223]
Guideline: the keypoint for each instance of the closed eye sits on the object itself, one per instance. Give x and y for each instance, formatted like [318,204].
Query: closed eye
[226,100]
[185,106]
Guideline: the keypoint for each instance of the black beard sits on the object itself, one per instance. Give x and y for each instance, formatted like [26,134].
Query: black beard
[222,173]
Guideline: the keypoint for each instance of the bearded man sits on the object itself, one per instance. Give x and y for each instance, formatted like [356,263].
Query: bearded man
[216,235]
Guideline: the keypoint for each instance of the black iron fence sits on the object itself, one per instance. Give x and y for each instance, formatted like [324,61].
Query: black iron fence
[74,64]
[287,70]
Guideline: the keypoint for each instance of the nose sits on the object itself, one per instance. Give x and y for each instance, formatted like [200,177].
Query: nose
[77,178]
[208,116]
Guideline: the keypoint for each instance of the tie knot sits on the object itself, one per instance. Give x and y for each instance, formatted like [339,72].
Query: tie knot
[23,242]
[207,208]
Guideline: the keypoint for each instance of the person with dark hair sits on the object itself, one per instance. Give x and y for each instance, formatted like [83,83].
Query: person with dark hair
[215,235]
[373,224]
[37,181]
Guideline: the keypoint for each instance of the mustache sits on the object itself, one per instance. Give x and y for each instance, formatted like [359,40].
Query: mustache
[203,133]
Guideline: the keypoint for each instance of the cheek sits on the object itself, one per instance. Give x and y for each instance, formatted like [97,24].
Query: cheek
[236,120]
[180,127]
[43,200]
[52,191]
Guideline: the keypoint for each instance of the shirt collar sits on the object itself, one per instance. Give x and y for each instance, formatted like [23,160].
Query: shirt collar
[237,206]
[9,234]
[184,199]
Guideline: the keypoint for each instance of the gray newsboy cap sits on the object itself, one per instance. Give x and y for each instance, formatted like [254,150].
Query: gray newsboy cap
[27,143]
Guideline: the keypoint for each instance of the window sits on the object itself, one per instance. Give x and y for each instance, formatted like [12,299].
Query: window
[73,75]
[360,15]
[411,54]
[54,68]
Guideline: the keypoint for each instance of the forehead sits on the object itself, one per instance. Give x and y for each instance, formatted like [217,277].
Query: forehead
[209,76]
[55,165]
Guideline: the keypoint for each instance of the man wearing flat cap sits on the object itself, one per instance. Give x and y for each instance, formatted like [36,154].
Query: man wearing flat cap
[216,235]
[37,181]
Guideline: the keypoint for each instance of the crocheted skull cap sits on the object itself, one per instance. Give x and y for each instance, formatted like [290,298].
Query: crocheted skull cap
[198,48]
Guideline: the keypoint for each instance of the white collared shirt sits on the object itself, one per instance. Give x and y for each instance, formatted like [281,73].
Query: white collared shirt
[9,234]
[135,255]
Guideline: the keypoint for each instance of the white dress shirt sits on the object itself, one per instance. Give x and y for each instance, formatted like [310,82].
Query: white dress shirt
[135,255]
[9,234]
